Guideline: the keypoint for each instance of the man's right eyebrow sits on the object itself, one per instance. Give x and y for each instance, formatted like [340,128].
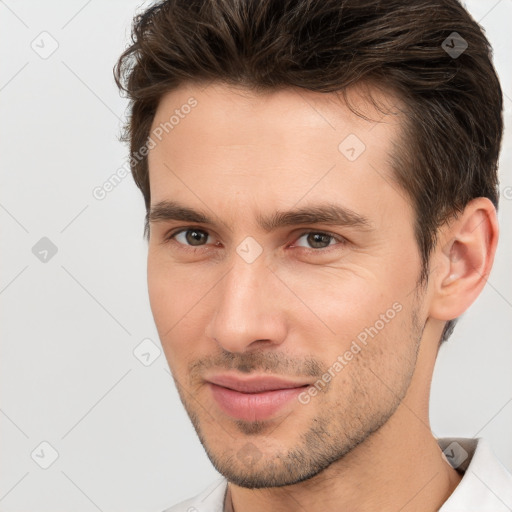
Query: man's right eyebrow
[170,210]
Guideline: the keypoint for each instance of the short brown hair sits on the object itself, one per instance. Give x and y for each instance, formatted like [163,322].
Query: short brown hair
[453,100]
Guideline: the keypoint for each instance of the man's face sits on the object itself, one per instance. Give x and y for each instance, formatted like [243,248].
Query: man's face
[330,308]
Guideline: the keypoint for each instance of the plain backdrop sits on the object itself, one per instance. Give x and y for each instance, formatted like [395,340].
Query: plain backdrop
[73,293]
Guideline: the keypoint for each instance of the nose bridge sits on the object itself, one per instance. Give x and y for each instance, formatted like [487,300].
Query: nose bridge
[247,307]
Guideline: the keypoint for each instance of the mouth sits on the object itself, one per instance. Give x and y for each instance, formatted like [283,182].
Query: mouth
[254,398]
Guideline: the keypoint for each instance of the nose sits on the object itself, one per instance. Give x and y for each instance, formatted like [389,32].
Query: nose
[250,311]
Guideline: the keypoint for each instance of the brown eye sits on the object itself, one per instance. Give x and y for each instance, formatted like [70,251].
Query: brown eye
[316,240]
[193,237]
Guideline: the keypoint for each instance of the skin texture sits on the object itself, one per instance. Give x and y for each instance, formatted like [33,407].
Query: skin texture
[364,441]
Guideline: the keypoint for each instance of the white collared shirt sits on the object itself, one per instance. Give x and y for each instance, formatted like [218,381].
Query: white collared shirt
[486,485]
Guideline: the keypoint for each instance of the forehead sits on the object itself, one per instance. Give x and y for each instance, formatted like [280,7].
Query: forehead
[272,147]
[236,112]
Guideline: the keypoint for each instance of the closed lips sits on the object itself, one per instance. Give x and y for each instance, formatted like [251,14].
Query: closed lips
[254,384]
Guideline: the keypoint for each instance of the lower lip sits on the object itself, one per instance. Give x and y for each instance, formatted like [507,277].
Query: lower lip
[253,406]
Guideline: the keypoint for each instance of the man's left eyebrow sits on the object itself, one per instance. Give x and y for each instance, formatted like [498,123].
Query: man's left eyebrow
[326,213]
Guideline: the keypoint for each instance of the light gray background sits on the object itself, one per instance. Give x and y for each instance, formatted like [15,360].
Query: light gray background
[69,326]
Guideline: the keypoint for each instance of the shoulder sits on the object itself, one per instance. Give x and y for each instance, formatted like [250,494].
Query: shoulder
[209,500]
[486,484]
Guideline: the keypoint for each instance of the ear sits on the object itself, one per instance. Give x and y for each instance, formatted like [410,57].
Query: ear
[463,259]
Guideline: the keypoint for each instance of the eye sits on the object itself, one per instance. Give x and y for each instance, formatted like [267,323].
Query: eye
[319,240]
[191,236]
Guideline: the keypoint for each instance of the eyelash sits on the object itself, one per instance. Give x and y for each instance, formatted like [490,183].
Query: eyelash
[171,236]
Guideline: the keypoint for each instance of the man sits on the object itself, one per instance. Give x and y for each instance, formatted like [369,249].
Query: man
[320,181]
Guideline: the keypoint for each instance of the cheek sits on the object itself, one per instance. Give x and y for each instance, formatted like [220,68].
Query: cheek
[362,322]
[160,291]
[346,300]
[377,365]
[172,290]
[178,299]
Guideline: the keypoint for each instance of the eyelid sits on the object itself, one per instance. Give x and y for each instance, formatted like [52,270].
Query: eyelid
[175,231]
[171,234]
[338,238]
[341,240]
[302,231]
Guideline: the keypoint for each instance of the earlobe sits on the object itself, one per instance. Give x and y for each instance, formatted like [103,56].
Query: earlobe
[464,259]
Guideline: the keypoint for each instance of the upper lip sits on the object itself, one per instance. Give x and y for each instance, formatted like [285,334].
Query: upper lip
[254,383]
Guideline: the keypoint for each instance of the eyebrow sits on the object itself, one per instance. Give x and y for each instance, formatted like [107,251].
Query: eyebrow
[316,214]
[325,213]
